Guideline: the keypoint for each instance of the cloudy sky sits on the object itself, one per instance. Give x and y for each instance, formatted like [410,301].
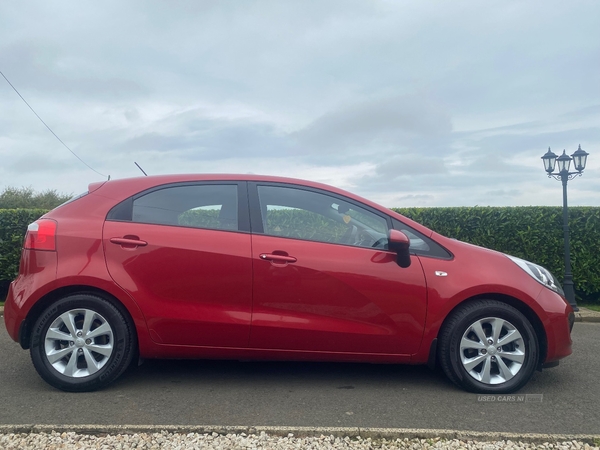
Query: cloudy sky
[409,103]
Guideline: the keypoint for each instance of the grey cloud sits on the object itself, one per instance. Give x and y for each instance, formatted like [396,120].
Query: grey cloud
[589,112]
[132,114]
[44,68]
[375,84]
[414,199]
[474,187]
[39,162]
[508,143]
[377,121]
[154,141]
[503,193]
[213,139]
[494,163]
[409,166]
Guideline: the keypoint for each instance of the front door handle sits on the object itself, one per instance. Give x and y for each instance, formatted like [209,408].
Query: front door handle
[277,258]
[129,241]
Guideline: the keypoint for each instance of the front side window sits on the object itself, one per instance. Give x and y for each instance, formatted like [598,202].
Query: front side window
[302,214]
[211,206]
[420,244]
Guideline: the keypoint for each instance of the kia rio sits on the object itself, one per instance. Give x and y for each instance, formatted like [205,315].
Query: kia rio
[253,267]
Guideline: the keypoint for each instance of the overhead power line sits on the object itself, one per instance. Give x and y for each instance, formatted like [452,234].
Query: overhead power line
[50,129]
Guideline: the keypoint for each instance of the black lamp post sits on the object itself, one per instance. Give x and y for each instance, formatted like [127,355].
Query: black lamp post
[563,174]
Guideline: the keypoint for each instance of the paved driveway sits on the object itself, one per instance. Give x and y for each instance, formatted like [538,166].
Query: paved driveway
[309,394]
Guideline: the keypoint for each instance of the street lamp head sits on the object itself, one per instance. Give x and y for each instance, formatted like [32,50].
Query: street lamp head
[580,158]
[564,162]
[549,160]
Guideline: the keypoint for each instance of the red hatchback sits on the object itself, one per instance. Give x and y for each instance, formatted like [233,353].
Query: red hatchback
[253,267]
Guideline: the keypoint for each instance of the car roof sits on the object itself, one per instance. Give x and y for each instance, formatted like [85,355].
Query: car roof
[140,183]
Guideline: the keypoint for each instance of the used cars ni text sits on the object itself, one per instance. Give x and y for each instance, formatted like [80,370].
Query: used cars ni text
[257,267]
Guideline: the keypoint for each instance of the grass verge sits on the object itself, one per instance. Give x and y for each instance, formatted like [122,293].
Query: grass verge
[590,306]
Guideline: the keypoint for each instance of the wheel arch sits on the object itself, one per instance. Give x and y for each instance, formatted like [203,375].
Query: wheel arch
[46,300]
[522,307]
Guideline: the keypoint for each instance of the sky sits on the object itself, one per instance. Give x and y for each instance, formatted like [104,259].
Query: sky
[407,103]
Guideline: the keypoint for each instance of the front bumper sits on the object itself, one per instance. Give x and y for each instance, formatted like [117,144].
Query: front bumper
[571,321]
[558,323]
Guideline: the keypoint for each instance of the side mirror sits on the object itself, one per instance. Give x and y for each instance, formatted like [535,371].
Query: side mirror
[399,242]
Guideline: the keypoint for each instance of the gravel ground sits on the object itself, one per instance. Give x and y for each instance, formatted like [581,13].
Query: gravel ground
[171,441]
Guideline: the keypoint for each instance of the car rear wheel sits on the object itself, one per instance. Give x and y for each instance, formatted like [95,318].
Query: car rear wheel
[487,346]
[82,343]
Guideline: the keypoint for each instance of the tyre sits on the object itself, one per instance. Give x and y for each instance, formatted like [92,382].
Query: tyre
[82,343]
[489,347]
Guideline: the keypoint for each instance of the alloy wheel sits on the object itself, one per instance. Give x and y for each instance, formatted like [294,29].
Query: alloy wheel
[78,343]
[492,350]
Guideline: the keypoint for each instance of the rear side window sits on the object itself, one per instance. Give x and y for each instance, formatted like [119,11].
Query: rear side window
[213,206]
[72,199]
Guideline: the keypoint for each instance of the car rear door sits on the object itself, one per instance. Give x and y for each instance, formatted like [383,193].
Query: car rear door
[182,252]
[323,281]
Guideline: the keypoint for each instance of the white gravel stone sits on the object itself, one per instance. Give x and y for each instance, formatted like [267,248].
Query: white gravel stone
[214,441]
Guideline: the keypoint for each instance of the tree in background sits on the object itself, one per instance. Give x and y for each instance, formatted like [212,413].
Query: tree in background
[26,197]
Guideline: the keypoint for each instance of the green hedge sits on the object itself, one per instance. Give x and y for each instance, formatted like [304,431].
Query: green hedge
[534,233]
[13,225]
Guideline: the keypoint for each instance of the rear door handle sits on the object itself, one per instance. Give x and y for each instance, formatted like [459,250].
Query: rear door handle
[277,258]
[129,241]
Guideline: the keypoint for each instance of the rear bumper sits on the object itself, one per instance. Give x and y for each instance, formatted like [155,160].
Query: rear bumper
[37,274]
[11,317]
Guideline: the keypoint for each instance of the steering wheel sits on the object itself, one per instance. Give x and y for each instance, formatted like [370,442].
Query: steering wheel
[380,242]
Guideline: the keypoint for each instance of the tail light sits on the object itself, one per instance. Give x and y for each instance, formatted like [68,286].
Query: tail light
[41,235]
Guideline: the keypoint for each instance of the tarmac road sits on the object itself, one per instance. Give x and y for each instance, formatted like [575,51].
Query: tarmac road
[309,394]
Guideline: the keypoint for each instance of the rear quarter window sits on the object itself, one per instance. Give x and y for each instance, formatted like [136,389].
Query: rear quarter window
[212,206]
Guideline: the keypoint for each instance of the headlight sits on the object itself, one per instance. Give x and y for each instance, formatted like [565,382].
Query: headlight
[539,273]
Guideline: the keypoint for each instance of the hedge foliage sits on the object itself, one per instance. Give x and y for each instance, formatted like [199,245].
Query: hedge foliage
[285,222]
[26,197]
[13,225]
[534,233]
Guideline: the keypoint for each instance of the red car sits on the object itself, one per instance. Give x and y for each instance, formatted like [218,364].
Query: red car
[256,267]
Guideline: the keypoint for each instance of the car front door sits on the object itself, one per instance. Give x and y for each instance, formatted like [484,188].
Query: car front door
[323,279]
[183,254]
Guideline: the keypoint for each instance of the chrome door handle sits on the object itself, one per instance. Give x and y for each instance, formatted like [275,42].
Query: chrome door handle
[277,258]
[128,242]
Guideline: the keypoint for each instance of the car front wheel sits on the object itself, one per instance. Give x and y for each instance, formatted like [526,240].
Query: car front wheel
[82,343]
[487,346]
